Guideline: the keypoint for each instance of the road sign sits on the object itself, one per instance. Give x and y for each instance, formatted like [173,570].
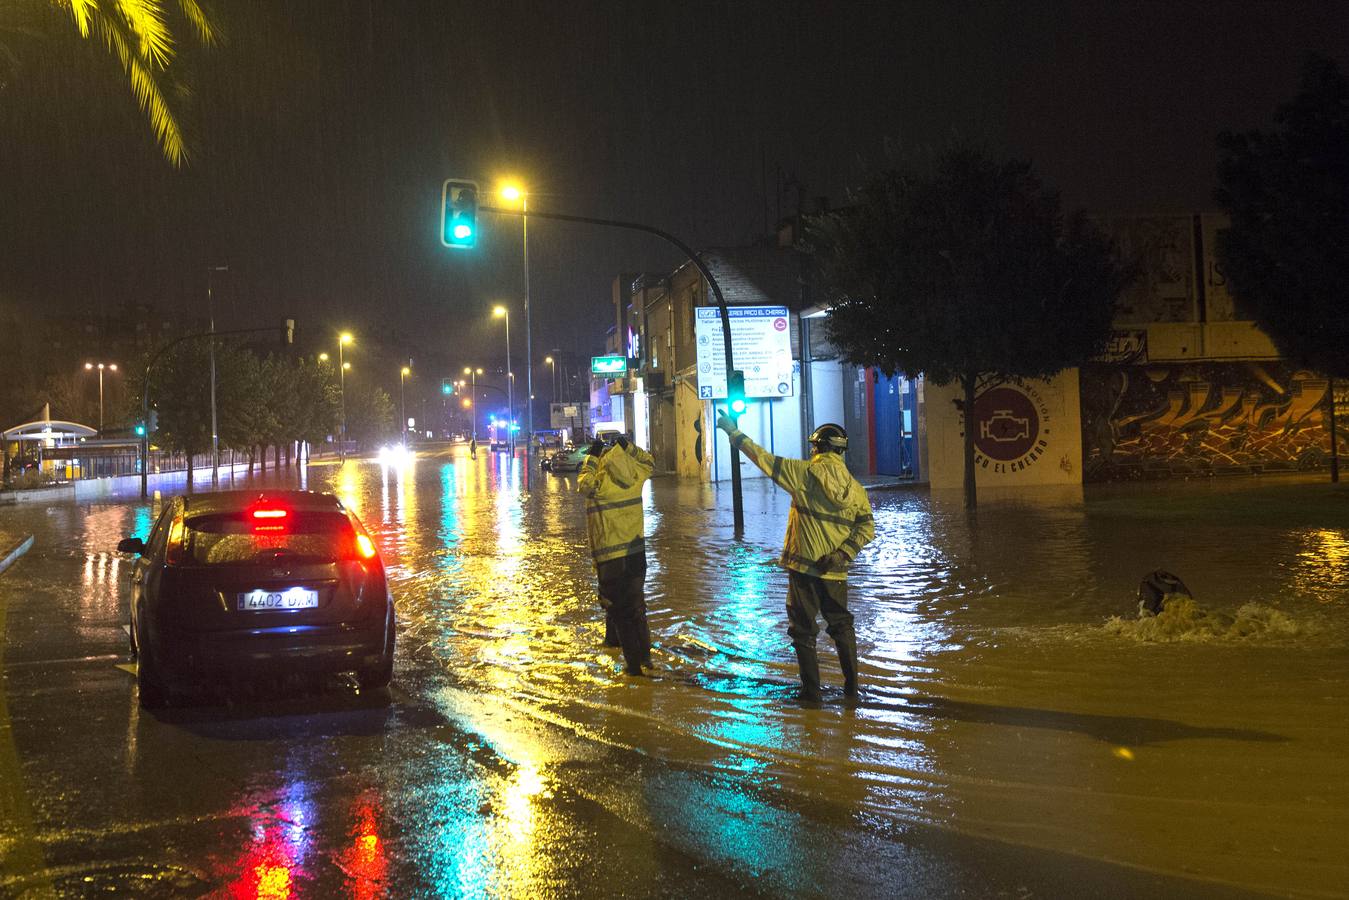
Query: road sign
[609,366]
[761,342]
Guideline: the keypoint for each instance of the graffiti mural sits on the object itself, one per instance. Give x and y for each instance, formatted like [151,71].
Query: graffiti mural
[1158,421]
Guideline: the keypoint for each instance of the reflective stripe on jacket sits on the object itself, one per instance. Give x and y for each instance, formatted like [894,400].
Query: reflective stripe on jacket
[830,509]
[612,484]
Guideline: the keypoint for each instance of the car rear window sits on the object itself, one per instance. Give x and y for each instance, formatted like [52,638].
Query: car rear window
[300,536]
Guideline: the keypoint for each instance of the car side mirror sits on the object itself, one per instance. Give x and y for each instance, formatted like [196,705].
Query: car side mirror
[131,545]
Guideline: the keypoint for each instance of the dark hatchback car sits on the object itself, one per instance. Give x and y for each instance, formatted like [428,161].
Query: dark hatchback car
[241,584]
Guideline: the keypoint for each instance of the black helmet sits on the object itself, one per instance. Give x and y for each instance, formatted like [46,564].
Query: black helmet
[829,437]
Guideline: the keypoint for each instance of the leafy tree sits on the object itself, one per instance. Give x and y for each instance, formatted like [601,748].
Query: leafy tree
[317,408]
[370,414]
[965,272]
[140,35]
[241,403]
[180,391]
[1287,192]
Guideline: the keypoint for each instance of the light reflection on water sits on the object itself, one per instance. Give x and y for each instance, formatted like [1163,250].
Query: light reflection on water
[999,701]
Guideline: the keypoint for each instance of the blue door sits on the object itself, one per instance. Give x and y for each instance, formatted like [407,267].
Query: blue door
[889,454]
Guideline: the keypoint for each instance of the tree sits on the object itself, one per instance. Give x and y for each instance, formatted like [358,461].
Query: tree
[370,414]
[140,36]
[963,273]
[180,391]
[1285,254]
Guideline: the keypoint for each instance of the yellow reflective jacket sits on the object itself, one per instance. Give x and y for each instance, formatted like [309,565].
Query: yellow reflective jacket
[830,510]
[612,484]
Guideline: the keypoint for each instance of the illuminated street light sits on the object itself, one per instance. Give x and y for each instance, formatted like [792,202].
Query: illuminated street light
[111,367]
[342,366]
[511,192]
[502,312]
[403,373]
[323,357]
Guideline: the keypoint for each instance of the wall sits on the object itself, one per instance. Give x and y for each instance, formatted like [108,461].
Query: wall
[1162,420]
[1028,432]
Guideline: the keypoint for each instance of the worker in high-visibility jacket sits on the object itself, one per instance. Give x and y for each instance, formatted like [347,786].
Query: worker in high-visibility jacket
[611,480]
[829,523]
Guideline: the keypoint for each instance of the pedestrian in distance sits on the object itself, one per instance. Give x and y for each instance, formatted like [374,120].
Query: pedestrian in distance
[829,523]
[611,479]
[473,448]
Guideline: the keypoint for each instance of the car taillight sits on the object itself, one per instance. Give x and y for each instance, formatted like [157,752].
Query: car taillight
[270,520]
[174,551]
[365,548]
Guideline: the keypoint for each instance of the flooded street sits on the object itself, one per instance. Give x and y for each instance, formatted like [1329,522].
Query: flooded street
[1021,732]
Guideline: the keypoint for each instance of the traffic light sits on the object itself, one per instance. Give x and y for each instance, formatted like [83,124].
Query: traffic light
[446,386]
[735,392]
[459,213]
[140,430]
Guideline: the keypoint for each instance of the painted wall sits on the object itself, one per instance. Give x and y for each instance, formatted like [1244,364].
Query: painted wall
[1165,420]
[1027,432]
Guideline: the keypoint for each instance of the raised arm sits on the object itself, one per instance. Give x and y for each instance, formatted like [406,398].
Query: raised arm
[788,474]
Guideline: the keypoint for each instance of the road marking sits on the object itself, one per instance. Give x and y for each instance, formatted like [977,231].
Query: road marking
[20,850]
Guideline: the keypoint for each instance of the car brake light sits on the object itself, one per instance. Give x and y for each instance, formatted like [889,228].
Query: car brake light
[173,552]
[270,513]
[365,547]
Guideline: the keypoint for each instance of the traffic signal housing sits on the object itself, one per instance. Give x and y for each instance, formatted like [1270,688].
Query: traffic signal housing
[735,393]
[446,386]
[459,213]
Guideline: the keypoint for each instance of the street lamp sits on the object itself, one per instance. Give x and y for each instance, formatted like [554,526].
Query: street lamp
[403,373]
[552,364]
[111,367]
[512,192]
[215,431]
[342,340]
[473,375]
[502,312]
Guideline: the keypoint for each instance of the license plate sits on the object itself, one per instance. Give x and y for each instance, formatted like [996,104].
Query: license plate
[291,598]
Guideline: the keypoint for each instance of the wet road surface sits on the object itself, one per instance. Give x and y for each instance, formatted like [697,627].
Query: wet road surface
[1015,740]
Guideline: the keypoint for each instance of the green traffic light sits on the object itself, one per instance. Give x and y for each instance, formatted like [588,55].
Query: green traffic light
[737,406]
[462,232]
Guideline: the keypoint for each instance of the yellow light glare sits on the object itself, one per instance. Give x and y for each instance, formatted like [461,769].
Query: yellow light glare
[323,357]
[548,359]
[346,337]
[498,311]
[511,192]
[406,370]
[467,370]
[88,365]
[346,365]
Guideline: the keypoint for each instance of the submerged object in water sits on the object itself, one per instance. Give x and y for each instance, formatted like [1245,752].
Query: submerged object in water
[1156,587]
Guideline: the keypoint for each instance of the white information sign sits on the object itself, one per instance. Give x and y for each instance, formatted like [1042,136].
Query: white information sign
[760,343]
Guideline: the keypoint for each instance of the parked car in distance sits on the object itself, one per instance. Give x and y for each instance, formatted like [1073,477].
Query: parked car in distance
[568,459]
[238,584]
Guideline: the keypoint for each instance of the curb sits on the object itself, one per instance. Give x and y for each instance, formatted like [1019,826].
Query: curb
[13,555]
[895,486]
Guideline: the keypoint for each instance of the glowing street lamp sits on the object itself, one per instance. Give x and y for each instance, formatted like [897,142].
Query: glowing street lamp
[510,192]
[501,312]
[403,373]
[473,375]
[111,367]
[342,366]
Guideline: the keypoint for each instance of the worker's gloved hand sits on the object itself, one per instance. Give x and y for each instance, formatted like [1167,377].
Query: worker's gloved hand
[833,562]
[596,447]
[622,441]
[726,423]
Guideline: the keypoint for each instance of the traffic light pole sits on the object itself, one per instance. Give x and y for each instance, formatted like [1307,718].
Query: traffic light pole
[737,499]
[145,389]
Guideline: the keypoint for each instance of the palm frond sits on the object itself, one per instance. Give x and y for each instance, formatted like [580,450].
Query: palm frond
[125,45]
[196,17]
[145,19]
[83,12]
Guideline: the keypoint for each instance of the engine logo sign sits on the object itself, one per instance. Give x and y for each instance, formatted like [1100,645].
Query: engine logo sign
[1011,425]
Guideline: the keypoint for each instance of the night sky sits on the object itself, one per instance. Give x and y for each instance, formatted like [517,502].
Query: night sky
[323,131]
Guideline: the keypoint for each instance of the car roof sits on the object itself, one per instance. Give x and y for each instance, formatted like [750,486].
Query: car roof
[234,501]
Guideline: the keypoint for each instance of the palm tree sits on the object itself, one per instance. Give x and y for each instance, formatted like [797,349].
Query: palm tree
[138,34]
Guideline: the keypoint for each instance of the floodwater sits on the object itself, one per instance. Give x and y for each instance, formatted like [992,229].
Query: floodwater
[1011,691]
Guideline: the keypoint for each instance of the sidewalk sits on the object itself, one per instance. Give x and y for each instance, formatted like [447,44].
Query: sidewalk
[889,483]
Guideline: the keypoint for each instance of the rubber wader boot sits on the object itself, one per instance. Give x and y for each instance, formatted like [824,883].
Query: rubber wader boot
[809,664]
[847,661]
[610,635]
